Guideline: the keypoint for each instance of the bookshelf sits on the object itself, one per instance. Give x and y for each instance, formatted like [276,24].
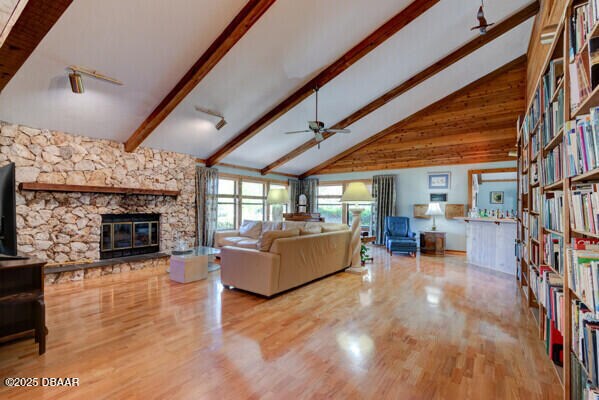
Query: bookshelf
[558,202]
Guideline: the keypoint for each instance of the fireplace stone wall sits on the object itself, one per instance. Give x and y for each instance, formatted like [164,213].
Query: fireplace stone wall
[65,227]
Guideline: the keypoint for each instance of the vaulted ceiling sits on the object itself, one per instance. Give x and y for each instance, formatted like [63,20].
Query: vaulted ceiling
[151,44]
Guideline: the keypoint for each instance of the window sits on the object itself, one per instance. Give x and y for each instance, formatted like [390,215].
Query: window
[329,202]
[253,199]
[227,202]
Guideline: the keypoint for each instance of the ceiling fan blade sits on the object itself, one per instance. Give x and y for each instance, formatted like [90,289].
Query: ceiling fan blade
[294,132]
[338,130]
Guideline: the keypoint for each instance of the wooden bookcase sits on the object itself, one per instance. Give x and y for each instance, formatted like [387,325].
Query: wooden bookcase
[531,246]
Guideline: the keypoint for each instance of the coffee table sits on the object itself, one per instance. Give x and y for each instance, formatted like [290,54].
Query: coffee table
[193,265]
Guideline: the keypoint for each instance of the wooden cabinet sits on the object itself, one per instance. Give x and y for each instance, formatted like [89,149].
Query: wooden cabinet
[432,243]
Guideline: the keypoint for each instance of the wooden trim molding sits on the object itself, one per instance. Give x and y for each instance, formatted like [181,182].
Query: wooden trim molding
[394,25]
[53,187]
[241,24]
[436,105]
[496,31]
[35,21]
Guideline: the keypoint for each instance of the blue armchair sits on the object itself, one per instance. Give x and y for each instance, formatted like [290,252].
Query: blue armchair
[398,236]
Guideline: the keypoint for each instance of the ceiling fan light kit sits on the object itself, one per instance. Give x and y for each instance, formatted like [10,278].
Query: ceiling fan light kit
[76,79]
[318,127]
[482,21]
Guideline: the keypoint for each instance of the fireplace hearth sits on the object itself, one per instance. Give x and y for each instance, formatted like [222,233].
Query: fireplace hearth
[129,235]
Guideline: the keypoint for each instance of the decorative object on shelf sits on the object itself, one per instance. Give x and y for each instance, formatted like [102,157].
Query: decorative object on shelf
[482,21]
[306,217]
[356,193]
[454,211]
[434,210]
[221,122]
[420,211]
[496,197]
[277,198]
[76,80]
[438,197]
[439,180]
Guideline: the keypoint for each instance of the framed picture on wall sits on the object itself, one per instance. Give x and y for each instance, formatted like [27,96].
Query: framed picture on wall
[438,197]
[496,197]
[439,180]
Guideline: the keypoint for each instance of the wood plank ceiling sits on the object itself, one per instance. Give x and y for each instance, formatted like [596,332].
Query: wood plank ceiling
[475,124]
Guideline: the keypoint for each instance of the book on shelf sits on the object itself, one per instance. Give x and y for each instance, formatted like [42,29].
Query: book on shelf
[551,297]
[554,118]
[581,389]
[583,19]
[553,208]
[534,253]
[552,165]
[583,275]
[594,61]
[534,173]
[552,79]
[584,209]
[582,143]
[580,86]
[536,198]
[585,344]
[554,251]
[585,243]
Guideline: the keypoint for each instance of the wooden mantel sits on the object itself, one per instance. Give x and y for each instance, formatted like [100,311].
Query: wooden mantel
[54,187]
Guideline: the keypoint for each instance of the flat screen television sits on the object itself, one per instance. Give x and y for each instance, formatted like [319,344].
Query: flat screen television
[8,214]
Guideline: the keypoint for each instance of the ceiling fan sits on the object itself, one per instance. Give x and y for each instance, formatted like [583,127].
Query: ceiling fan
[482,21]
[317,127]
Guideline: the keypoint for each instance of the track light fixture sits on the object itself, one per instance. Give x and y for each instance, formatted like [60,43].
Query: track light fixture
[76,80]
[220,124]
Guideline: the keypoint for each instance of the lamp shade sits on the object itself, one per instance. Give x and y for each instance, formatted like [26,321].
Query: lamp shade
[277,196]
[434,209]
[356,192]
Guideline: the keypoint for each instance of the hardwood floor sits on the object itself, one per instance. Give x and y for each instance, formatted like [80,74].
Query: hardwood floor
[413,328]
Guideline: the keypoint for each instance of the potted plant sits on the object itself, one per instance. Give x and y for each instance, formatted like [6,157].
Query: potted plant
[364,254]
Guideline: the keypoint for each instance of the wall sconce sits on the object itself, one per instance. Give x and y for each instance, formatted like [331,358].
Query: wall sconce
[76,80]
[220,124]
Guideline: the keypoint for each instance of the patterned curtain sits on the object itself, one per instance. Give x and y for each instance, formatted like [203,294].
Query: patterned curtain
[383,191]
[294,192]
[309,187]
[207,204]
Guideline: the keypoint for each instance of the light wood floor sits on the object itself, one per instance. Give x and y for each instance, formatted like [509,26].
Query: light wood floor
[423,328]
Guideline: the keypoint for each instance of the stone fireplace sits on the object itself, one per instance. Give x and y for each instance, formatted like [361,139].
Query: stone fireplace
[66,229]
[125,235]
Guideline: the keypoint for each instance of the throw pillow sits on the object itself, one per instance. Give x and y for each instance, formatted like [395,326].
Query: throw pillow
[334,228]
[250,229]
[311,228]
[270,226]
[269,237]
[293,225]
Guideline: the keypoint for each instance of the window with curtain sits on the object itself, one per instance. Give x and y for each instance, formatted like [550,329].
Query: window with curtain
[227,204]
[329,202]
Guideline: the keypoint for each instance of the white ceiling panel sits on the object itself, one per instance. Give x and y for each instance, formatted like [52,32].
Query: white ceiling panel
[290,44]
[483,61]
[147,44]
[414,48]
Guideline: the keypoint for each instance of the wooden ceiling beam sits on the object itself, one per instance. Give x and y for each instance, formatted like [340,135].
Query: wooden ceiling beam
[391,27]
[518,62]
[35,21]
[241,24]
[496,31]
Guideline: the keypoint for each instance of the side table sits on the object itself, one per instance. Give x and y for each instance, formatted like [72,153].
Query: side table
[432,243]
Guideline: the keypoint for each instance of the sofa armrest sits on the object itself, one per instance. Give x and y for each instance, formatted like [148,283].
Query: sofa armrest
[249,269]
[219,235]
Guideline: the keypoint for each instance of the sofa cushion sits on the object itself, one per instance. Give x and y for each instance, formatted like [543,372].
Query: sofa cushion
[293,225]
[251,229]
[231,240]
[311,228]
[269,237]
[247,243]
[330,227]
[270,226]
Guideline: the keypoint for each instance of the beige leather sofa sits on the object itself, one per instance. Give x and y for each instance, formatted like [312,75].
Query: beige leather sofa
[289,263]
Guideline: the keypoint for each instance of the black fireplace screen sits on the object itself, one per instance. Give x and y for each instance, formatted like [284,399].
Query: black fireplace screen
[129,234]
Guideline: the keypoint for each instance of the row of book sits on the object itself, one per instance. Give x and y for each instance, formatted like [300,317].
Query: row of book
[552,166]
[534,147]
[554,118]
[534,254]
[581,388]
[582,143]
[532,117]
[535,192]
[553,208]
[534,226]
[584,208]
[554,251]
[583,19]
[534,173]
[552,80]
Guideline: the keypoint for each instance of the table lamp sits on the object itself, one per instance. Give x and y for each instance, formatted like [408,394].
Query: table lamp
[276,198]
[356,193]
[434,210]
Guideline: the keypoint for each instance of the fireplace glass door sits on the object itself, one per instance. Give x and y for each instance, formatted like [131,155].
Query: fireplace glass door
[106,237]
[141,231]
[122,235]
[154,233]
